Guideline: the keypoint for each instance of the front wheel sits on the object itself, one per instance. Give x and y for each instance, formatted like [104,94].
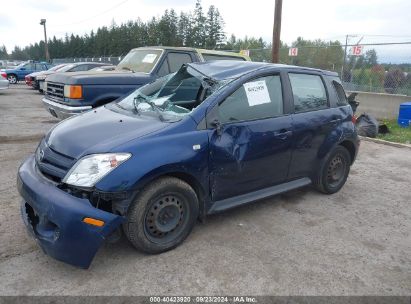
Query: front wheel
[334,172]
[162,216]
[12,78]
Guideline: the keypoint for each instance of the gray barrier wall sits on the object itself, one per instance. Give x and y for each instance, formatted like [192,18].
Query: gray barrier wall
[380,105]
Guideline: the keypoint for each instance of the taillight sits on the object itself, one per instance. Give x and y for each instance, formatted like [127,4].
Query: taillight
[354,119]
[3,74]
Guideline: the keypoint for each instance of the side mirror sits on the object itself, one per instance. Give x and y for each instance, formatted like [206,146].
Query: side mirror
[216,124]
[22,69]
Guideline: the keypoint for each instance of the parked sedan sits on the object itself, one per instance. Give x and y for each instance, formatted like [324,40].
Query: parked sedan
[70,67]
[104,68]
[16,74]
[4,83]
[30,79]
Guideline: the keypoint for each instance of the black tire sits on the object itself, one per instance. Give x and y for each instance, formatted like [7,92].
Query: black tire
[12,78]
[162,215]
[334,171]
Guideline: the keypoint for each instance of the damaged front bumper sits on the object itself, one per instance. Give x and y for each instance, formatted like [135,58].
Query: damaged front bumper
[55,218]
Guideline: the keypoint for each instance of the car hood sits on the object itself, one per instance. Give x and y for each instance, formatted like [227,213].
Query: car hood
[99,131]
[33,74]
[101,77]
[45,73]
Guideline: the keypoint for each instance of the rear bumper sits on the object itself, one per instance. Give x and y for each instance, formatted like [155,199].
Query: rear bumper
[54,218]
[63,111]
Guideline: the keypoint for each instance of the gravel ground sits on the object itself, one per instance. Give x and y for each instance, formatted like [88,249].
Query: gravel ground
[356,242]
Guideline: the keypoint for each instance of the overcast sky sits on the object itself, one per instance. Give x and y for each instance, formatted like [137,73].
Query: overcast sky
[376,20]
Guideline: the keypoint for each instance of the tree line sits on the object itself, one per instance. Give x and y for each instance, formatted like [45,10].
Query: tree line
[204,28]
[199,28]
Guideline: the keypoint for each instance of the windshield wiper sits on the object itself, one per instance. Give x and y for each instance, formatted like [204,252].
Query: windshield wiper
[127,69]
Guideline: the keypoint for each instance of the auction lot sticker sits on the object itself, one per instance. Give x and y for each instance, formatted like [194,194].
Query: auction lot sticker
[257,92]
[149,58]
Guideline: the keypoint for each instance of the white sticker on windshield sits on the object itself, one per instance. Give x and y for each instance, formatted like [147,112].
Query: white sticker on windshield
[257,92]
[149,58]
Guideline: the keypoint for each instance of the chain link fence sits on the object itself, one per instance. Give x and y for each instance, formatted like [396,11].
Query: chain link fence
[364,71]
[109,60]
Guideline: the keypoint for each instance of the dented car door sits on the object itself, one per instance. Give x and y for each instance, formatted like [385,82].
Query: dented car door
[253,135]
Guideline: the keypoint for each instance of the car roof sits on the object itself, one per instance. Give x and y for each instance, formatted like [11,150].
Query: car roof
[89,62]
[224,69]
[190,49]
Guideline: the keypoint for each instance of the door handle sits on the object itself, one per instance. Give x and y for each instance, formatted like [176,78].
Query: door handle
[335,121]
[283,134]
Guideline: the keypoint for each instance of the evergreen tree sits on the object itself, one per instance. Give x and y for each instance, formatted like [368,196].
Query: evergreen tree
[214,28]
[185,30]
[3,52]
[191,29]
[199,29]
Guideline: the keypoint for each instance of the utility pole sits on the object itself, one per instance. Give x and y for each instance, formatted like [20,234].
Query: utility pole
[277,31]
[46,48]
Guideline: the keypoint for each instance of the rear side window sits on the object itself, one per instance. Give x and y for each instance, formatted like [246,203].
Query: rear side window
[309,92]
[39,67]
[176,60]
[342,98]
[79,68]
[256,99]
[209,57]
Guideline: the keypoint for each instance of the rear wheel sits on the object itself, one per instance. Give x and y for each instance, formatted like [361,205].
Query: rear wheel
[162,216]
[12,78]
[335,170]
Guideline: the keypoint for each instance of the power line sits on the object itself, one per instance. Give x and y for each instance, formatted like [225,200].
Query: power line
[97,15]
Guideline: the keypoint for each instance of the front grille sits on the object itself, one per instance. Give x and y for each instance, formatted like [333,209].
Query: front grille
[51,163]
[55,91]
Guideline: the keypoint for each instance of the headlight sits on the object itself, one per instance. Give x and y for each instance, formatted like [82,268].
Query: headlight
[73,91]
[91,168]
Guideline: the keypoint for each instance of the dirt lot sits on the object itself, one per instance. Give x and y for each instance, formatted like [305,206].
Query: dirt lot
[356,242]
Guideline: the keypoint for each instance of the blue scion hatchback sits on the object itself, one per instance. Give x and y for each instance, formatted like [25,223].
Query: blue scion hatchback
[209,137]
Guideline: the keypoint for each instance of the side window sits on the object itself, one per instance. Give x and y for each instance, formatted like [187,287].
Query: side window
[29,66]
[163,70]
[79,68]
[176,60]
[209,57]
[309,92]
[41,67]
[257,99]
[342,98]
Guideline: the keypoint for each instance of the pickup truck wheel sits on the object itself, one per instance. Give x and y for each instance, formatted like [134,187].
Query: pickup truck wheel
[12,78]
[162,216]
[334,172]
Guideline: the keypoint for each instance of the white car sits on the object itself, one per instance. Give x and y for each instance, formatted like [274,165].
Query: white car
[4,83]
